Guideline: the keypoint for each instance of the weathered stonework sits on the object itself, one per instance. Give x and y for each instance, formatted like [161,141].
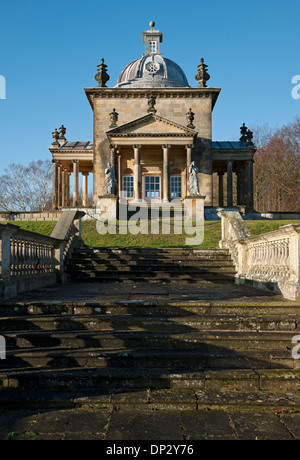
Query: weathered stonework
[154,85]
[270,261]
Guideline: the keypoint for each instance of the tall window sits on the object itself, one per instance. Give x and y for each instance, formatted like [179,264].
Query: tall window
[128,187]
[176,187]
[152,47]
[152,187]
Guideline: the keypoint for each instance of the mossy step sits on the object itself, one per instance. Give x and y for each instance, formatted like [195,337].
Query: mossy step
[150,400]
[204,356]
[151,308]
[203,340]
[175,324]
[233,380]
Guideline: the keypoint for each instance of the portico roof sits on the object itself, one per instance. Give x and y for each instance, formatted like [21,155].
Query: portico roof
[151,129]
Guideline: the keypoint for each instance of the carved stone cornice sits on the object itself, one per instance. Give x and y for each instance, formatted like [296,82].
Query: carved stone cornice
[143,93]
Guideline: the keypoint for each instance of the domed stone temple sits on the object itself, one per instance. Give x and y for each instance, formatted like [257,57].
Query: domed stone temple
[150,129]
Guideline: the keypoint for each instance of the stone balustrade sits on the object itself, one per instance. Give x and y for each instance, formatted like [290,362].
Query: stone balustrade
[270,261]
[31,261]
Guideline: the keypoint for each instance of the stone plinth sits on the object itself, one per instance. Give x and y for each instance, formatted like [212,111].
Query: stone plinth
[194,207]
[107,207]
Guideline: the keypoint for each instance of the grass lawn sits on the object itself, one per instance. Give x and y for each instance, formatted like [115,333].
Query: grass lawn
[212,234]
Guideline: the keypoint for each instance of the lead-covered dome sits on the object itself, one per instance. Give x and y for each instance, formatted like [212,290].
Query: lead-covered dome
[152,70]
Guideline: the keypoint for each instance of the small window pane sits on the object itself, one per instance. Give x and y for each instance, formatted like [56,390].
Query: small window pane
[176,187]
[128,187]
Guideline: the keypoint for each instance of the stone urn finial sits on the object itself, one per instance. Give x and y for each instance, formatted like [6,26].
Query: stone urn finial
[202,76]
[55,136]
[250,138]
[102,76]
[62,131]
[244,131]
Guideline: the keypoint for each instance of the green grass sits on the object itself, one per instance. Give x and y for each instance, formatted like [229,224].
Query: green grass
[212,234]
[91,237]
[43,227]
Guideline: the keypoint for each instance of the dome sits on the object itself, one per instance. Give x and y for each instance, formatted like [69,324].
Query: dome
[152,70]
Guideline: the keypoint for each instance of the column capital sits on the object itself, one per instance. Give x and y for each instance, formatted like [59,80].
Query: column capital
[166,146]
[85,174]
[75,161]
[189,146]
[137,146]
[55,161]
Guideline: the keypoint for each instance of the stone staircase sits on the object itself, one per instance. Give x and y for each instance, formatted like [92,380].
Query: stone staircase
[151,265]
[149,354]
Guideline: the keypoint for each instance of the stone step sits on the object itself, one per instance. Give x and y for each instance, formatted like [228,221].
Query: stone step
[152,251]
[203,340]
[176,324]
[111,379]
[152,308]
[148,259]
[151,400]
[151,278]
[188,265]
[204,356]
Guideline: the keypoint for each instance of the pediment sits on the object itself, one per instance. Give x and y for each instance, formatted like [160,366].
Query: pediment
[151,125]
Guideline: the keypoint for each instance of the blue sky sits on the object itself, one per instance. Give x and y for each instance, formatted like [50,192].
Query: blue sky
[50,51]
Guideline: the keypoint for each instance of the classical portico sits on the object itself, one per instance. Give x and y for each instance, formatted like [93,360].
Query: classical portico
[153,158]
[70,160]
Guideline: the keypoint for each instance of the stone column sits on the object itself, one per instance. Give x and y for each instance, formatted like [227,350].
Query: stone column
[63,188]
[75,182]
[85,197]
[166,172]
[189,149]
[229,183]
[59,188]
[137,172]
[68,188]
[55,185]
[250,185]
[221,189]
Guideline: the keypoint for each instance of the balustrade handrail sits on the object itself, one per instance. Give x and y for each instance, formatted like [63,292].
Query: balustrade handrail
[270,260]
[32,256]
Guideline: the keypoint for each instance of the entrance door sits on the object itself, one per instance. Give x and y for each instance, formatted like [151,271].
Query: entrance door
[152,188]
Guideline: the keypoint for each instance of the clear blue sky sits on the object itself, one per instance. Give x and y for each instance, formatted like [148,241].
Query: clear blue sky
[50,50]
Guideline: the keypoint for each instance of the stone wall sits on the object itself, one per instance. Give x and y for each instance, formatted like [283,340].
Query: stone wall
[30,216]
[171,104]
